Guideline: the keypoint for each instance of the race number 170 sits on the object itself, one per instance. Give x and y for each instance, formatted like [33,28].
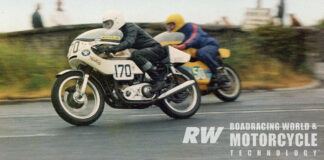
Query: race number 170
[123,71]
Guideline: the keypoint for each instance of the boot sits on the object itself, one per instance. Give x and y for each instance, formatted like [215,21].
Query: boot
[158,80]
[158,85]
[218,77]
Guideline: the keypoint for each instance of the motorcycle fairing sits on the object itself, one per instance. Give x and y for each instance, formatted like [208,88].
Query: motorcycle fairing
[224,53]
[178,56]
[84,54]
[200,71]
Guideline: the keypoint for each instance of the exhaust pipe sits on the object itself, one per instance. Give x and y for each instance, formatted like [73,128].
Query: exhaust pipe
[177,89]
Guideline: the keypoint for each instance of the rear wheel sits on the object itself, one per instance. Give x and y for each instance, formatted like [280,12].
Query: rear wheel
[183,104]
[231,90]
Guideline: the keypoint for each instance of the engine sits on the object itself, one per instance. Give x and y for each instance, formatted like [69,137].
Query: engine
[138,92]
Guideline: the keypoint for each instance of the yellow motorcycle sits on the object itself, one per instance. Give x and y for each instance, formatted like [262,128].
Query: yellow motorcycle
[228,91]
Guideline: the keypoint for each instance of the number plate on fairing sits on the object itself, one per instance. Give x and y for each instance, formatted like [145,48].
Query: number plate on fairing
[123,71]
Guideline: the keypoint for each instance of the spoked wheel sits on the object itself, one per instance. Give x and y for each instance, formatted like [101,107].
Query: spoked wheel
[185,103]
[231,90]
[73,107]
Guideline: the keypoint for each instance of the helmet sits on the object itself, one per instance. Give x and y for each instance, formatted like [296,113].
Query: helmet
[113,19]
[178,21]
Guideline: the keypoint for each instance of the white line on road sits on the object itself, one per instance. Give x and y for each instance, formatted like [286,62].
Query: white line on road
[240,112]
[30,135]
[27,115]
[54,135]
[39,115]
[267,111]
[152,115]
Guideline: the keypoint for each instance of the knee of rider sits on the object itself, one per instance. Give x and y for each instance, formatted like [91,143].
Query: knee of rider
[198,54]
[134,55]
[202,55]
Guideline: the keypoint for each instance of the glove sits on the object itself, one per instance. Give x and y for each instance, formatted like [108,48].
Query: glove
[109,50]
[180,47]
[99,48]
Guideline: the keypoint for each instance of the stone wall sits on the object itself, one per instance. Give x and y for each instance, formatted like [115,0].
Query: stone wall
[315,43]
[56,40]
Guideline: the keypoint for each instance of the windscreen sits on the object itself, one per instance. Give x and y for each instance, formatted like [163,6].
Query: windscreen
[169,36]
[101,34]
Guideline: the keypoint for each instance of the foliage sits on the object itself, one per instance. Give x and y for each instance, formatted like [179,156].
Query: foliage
[28,71]
[320,24]
[285,44]
[268,54]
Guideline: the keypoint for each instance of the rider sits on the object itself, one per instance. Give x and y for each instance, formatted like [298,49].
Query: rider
[148,53]
[195,37]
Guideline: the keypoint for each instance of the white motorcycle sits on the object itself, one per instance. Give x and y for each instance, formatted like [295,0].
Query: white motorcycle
[79,94]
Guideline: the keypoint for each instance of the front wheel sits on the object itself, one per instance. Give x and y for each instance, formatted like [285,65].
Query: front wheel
[73,107]
[183,104]
[230,91]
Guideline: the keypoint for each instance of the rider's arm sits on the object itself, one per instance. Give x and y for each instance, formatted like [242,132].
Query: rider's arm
[193,39]
[129,40]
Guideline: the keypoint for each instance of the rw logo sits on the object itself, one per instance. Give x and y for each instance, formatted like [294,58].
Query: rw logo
[207,134]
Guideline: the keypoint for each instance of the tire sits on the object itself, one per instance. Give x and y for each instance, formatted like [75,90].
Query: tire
[68,113]
[168,108]
[227,95]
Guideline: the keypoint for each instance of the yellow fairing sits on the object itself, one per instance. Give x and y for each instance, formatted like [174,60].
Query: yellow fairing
[111,37]
[198,68]
[203,87]
[191,51]
[225,53]
[171,43]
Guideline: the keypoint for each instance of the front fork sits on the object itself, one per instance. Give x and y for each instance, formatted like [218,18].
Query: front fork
[84,84]
[87,70]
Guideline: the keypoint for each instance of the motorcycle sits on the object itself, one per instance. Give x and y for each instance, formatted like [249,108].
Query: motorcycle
[79,94]
[228,91]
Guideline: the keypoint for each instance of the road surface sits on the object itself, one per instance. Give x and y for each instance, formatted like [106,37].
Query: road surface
[33,131]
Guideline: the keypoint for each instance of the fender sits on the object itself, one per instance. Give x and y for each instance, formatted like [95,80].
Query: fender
[80,71]
[67,71]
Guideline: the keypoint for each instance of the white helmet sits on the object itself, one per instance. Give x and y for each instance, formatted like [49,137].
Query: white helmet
[113,19]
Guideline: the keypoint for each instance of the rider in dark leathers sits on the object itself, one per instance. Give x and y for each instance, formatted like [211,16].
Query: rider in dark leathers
[148,53]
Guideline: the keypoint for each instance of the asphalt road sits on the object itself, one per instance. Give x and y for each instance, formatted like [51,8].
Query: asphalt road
[34,131]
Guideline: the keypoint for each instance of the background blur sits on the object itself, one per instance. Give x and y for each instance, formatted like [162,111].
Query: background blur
[15,14]
[268,50]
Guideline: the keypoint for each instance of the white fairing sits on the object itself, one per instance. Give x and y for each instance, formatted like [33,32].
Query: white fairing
[178,56]
[80,52]
[121,68]
[85,55]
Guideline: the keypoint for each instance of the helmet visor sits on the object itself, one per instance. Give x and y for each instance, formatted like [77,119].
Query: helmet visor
[108,24]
